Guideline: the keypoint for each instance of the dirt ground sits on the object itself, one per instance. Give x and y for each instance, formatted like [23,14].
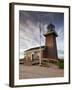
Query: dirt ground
[36,71]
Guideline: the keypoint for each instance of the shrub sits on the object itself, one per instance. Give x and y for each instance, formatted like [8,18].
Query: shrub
[61,64]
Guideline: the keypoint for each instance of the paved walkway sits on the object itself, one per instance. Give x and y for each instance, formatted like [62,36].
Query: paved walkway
[26,72]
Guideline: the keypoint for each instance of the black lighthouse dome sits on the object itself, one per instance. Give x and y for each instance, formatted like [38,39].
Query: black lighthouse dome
[51,27]
[51,30]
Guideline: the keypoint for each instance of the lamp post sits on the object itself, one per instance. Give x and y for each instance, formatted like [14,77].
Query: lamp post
[40,62]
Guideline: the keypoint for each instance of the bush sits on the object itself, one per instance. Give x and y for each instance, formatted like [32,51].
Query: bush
[61,64]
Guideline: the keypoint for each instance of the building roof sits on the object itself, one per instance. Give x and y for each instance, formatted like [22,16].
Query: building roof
[36,48]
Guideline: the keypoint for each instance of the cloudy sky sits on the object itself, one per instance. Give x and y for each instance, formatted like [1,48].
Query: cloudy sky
[30,23]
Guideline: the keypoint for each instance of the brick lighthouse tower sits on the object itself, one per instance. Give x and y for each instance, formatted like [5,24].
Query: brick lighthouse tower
[50,42]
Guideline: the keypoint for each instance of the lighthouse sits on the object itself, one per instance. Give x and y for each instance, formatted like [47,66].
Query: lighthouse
[50,42]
